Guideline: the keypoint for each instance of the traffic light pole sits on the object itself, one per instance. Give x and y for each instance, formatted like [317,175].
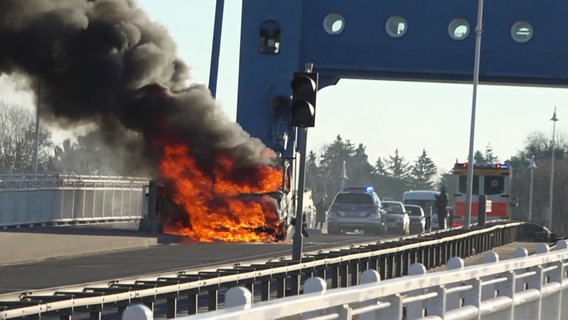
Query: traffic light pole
[298,237]
[302,111]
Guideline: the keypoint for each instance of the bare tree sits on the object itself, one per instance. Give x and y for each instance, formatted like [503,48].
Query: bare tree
[17,140]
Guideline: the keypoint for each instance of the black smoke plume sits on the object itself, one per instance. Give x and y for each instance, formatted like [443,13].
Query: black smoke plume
[105,63]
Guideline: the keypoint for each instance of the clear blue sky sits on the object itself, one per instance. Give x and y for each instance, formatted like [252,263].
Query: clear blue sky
[383,115]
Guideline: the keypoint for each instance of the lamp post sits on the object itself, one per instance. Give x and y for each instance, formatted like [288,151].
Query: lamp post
[470,164]
[532,166]
[36,140]
[553,119]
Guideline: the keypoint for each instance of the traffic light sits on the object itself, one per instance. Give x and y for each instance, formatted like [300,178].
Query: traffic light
[304,92]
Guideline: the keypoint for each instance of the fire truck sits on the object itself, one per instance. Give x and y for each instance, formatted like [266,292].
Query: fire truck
[493,181]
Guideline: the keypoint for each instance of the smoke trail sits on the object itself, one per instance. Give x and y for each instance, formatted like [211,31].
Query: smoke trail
[95,60]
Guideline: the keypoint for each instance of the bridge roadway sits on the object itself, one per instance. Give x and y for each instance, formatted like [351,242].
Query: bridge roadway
[49,257]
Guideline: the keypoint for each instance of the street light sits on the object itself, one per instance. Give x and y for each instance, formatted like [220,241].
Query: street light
[36,140]
[553,119]
[469,174]
[532,166]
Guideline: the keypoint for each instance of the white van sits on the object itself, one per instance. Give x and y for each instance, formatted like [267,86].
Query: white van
[424,198]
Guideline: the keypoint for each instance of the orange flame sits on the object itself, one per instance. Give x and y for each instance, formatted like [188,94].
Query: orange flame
[222,204]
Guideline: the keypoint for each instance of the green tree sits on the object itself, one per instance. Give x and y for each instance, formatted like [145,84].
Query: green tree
[390,176]
[315,178]
[478,157]
[485,158]
[380,167]
[398,167]
[537,145]
[490,157]
[331,163]
[422,173]
[360,170]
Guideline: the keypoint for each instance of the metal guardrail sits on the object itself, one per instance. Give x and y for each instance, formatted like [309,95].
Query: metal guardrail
[525,287]
[53,199]
[204,290]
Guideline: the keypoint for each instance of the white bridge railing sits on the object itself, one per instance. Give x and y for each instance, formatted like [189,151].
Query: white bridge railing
[524,287]
[40,199]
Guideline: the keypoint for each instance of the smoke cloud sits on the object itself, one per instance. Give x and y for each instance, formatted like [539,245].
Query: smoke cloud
[105,63]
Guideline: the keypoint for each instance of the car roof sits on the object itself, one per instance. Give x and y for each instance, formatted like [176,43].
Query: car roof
[367,189]
[392,202]
[355,198]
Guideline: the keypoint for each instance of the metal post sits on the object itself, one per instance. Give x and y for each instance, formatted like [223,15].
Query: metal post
[553,119]
[36,141]
[469,177]
[343,176]
[532,166]
[481,210]
[298,237]
[216,47]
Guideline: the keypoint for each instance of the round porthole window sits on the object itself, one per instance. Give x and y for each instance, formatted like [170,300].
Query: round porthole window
[521,31]
[333,23]
[458,29]
[396,26]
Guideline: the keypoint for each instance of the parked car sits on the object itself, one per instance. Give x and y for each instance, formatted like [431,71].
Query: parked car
[417,218]
[397,217]
[356,208]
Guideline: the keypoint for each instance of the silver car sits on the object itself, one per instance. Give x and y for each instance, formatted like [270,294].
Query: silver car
[417,218]
[356,208]
[397,217]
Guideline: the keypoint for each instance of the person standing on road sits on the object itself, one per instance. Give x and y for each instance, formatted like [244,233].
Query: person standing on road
[321,209]
[441,203]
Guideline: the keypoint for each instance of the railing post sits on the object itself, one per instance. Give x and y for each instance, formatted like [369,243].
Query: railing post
[453,299]
[192,302]
[213,299]
[438,305]
[370,276]
[415,309]
[171,307]
[265,290]
[520,283]
[313,285]
[488,291]
[473,296]
[559,275]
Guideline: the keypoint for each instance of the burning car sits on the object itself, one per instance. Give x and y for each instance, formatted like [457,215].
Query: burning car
[261,217]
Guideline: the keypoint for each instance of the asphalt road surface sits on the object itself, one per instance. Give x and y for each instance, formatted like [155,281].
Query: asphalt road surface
[46,258]
[42,258]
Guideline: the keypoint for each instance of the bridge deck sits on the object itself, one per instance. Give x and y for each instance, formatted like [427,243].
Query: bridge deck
[39,258]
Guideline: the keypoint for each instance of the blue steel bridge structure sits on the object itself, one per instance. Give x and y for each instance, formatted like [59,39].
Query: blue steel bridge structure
[524,42]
